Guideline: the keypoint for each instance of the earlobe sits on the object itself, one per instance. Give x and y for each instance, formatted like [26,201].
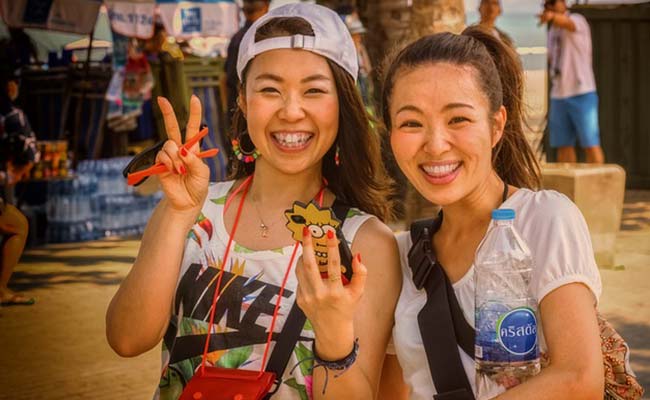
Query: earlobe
[241,103]
[500,119]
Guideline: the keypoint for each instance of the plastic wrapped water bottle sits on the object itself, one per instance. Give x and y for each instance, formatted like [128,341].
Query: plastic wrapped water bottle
[506,351]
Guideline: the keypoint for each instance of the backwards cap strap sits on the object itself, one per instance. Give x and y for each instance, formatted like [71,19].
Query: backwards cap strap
[306,42]
[284,42]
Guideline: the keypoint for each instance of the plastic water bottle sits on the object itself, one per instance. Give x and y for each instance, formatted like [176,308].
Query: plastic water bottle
[506,351]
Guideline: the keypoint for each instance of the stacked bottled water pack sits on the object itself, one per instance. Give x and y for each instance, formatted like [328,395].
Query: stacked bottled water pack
[96,203]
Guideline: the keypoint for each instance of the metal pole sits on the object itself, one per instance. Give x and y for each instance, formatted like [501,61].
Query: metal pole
[80,104]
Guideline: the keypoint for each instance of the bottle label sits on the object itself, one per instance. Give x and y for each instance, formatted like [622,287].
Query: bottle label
[517,331]
[505,334]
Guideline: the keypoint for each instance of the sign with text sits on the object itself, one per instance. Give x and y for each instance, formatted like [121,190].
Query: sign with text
[132,19]
[185,19]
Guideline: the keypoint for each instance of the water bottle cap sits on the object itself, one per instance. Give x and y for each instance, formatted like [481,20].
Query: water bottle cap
[503,214]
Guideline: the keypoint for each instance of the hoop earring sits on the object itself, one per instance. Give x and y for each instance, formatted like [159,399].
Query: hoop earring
[337,159]
[242,154]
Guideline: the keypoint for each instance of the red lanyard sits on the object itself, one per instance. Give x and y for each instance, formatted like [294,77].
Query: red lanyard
[245,186]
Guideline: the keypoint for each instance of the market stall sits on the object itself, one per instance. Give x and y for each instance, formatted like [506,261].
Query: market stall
[89,113]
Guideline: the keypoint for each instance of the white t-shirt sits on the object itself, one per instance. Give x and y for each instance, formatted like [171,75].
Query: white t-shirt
[250,289]
[570,59]
[559,241]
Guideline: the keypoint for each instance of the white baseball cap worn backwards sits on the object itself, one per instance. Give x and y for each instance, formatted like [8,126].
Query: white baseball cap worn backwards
[331,37]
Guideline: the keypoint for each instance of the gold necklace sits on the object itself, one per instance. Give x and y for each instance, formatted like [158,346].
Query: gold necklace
[264,228]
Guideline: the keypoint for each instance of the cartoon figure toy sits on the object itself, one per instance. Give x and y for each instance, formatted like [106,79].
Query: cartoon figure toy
[319,221]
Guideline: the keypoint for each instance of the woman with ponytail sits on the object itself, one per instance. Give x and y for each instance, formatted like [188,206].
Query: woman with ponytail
[453,107]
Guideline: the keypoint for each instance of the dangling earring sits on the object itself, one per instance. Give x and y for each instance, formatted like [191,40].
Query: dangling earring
[242,154]
[337,159]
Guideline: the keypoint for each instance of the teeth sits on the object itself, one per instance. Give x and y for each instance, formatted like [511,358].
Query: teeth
[292,139]
[440,170]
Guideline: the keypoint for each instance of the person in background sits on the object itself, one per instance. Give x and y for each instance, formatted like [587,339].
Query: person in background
[253,10]
[490,11]
[573,113]
[357,30]
[18,153]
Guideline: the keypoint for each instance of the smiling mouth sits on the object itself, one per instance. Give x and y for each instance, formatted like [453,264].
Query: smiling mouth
[292,140]
[441,171]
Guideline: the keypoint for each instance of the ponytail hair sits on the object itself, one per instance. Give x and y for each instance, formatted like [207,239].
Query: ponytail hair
[500,76]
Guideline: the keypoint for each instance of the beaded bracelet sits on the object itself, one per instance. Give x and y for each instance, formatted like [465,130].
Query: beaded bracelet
[340,366]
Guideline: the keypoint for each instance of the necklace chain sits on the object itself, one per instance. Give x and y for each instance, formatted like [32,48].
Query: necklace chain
[264,228]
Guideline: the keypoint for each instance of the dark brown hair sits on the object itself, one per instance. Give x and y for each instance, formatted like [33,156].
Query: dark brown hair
[500,77]
[361,179]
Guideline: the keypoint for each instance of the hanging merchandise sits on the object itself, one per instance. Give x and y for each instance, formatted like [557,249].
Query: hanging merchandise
[138,79]
[186,19]
[114,91]
[74,16]
[130,86]
[133,18]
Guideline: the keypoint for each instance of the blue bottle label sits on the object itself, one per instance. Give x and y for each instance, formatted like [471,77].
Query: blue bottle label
[506,335]
[517,331]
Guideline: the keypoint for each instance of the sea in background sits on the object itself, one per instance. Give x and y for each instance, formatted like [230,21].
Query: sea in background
[529,38]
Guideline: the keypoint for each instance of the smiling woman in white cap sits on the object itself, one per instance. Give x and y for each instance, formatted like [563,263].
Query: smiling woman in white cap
[300,134]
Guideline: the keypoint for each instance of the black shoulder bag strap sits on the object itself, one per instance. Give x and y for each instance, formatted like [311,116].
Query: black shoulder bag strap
[295,322]
[441,309]
[441,321]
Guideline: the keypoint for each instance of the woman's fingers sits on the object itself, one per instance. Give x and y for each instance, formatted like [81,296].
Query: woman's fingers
[194,122]
[162,157]
[309,264]
[359,275]
[169,117]
[333,261]
[170,148]
[195,166]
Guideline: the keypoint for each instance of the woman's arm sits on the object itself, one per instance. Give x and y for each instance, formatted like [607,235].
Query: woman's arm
[576,365]
[140,310]
[560,20]
[392,385]
[362,310]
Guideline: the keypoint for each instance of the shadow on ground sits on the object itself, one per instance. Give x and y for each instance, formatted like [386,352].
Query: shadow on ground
[637,336]
[22,280]
[75,261]
[59,247]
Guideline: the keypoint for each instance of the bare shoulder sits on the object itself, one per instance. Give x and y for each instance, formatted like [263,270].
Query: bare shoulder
[375,234]
[379,252]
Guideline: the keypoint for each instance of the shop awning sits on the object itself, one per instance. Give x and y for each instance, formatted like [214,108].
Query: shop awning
[134,18]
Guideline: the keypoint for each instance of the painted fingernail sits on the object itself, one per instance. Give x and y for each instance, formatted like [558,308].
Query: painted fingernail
[183,170]
[305,231]
[330,235]
[183,152]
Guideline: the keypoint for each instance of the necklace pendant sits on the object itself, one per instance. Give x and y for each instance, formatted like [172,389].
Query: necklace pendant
[264,230]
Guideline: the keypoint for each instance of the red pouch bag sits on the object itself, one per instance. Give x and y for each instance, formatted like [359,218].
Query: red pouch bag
[214,383]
